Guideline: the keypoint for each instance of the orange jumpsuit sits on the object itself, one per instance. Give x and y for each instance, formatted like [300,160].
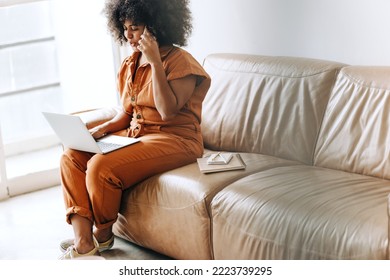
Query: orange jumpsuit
[93,183]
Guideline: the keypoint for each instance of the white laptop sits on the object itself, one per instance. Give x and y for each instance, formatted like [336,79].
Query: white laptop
[74,134]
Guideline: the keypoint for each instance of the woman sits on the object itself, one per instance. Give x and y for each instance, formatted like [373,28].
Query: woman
[161,88]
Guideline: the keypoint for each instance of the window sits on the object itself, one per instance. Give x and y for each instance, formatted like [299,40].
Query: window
[29,76]
[55,58]
[3,175]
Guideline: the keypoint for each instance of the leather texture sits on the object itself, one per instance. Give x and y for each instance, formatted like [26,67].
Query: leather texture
[301,212]
[170,213]
[267,105]
[315,137]
[355,135]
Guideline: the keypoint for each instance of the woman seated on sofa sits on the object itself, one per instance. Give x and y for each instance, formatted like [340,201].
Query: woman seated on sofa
[161,88]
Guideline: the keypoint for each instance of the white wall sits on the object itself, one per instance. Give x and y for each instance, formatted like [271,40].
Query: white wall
[349,31]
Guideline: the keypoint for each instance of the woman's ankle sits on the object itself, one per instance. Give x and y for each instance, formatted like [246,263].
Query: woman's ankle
[103,235]
[84,246]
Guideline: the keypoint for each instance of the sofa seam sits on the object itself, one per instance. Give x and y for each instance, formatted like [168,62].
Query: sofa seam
[211,232]
[315,146]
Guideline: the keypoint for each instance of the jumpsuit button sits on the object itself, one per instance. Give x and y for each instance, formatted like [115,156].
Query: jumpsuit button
[133,98]
[138,116]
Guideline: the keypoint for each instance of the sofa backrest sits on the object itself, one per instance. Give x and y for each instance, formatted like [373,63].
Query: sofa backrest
[267,105]
[355,135]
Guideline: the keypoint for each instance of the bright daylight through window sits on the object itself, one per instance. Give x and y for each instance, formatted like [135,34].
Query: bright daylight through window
[29,76]
[46,52]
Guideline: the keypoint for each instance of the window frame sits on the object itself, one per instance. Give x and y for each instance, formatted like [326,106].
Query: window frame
[3,171]
[5,3]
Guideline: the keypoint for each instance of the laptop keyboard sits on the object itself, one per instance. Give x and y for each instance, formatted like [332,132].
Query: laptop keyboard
[106,146]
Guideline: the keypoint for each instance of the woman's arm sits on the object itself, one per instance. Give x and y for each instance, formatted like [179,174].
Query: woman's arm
[169,97]
[119,122]
[168,102]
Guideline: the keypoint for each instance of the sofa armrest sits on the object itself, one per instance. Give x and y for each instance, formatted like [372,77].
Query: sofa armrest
[94,117]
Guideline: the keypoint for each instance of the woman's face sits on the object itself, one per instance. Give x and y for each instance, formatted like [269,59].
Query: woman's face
[133,32]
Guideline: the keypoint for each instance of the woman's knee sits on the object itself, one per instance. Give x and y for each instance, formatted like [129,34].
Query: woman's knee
[97,164]
[99,170]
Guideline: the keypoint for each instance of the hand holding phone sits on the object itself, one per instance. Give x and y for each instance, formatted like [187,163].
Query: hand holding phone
[148,45]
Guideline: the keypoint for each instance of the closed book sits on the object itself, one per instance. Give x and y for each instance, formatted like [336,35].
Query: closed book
[236,163]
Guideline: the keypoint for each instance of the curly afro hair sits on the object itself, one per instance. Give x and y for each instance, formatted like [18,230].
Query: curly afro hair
[169,21]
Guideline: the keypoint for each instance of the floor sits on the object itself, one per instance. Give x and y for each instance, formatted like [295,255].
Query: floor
[32,226]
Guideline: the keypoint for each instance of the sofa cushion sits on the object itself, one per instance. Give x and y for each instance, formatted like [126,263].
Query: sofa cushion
[267,105]
[355,136]
[302,212]
[170,213]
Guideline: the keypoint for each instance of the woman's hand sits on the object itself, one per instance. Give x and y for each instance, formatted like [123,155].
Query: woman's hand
[169,97]
[97,132]
[149,47]
[119,122]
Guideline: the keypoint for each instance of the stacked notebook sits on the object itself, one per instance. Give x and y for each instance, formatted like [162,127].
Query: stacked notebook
[222,161]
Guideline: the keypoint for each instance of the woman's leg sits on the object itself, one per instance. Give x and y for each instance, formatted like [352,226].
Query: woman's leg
[108,175]
[78,207]
[73,168]
[82,228]
[97,181]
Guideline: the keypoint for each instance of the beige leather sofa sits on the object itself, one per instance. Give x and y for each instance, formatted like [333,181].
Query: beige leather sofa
[315,136]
